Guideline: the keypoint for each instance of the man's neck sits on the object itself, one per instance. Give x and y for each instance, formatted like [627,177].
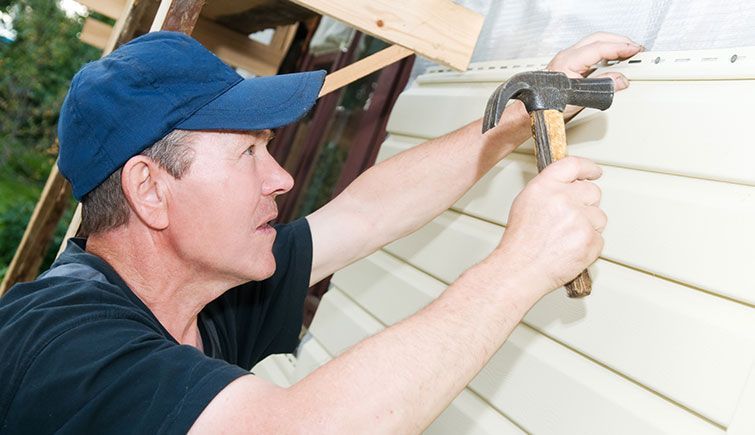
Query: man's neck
[172,289]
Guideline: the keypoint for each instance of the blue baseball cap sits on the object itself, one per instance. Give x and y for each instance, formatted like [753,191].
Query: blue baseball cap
[125,102]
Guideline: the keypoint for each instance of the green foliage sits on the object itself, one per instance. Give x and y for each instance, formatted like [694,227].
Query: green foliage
[35,72]
[37,68]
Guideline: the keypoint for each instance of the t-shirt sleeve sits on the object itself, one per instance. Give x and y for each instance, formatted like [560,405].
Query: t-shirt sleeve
[263,318]
[132,380]
[293,256]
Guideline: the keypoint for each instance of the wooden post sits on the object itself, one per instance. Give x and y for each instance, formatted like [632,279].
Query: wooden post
[439,30]
[39,232]
[363,67]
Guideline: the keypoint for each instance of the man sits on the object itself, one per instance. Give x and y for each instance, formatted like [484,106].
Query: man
[134,329]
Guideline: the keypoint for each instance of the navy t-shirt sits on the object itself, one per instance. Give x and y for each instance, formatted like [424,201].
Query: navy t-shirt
[81,353]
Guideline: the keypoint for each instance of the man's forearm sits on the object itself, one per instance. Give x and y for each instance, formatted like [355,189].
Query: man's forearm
[399,380]
[400,194]
[406,191]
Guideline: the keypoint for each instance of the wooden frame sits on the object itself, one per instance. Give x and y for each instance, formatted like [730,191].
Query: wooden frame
[440,30]
[448,36]
[234,48]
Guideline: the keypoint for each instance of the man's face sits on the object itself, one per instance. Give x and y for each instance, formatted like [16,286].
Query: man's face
[220,208]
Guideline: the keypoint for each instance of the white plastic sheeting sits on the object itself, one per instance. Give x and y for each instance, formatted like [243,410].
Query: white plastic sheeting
[516,29]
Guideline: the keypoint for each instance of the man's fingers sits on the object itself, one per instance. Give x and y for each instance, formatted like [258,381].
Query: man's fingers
[620,82]
[571,169]
[603,36]
[588,193]
[583,59]
[597,218]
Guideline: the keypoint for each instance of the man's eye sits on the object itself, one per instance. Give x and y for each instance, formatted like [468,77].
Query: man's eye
[250,150]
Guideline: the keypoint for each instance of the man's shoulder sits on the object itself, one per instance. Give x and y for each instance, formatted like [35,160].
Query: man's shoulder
[63,296]
[32,314]
[35,318]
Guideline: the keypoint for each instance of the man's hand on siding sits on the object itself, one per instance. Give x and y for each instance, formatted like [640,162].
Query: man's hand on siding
[580,59]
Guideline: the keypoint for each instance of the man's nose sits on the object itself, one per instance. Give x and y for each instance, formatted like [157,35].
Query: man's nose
[278,181]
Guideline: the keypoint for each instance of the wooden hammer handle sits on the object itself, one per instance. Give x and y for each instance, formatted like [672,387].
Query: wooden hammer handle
[550,145]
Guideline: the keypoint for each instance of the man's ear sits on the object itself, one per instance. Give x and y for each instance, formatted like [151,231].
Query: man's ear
[144,185]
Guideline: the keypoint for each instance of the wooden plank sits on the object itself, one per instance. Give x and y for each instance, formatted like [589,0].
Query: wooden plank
[363,67]
[283,37]
[234,48]
[437,29]
[182,15]
[95,33]
[39,232]
[237,49]
[73,228]
[109,8]
[702,346]
[543,386]
[136,19]
[162,14]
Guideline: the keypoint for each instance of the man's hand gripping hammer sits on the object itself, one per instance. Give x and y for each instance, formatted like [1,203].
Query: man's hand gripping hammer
[545,95]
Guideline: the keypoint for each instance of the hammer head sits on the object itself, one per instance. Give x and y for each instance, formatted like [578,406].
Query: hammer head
[542,90]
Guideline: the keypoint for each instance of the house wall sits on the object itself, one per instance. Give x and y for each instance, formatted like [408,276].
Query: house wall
[666,342]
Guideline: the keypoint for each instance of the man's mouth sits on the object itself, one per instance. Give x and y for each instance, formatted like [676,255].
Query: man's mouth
[265,227]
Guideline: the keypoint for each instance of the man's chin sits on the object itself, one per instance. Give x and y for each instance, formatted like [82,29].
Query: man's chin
[263,270]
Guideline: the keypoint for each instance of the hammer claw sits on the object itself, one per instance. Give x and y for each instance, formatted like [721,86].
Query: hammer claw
[545,95]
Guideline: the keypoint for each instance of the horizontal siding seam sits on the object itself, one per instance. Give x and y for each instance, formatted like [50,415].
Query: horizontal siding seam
[687,285]
[468,388]
[627,378]
[653,171]
[585,356]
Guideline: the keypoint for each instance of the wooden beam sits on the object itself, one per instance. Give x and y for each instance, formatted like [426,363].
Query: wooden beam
[363,67]
[38,234]
[234,48]
[182,15]
[108,8]
[95,33]
[283,37]
[437,29]
[238,50]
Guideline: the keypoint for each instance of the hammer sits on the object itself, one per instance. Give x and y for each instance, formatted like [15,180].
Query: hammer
[545,95]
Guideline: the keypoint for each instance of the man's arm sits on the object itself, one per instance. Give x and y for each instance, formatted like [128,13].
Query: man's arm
[397,196]
[400,380]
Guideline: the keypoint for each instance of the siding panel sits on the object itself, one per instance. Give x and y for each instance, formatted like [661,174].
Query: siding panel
[666,343]
[657,222]
[522,378]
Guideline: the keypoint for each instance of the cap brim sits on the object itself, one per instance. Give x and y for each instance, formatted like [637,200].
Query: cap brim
[259,103]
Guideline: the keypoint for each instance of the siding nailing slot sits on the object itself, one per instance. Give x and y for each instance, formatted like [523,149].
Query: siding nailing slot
[682,60]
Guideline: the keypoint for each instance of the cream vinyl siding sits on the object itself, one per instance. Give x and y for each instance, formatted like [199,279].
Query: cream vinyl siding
[666,342]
